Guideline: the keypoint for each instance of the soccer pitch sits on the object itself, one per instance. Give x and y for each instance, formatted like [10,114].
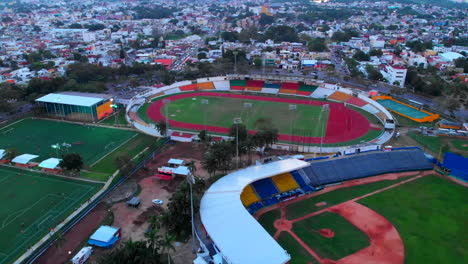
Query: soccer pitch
[36,136]
[221,111]
[31,204]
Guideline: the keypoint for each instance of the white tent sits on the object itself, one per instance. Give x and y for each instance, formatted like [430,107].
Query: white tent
[24,159]
[51,163]
[236,233]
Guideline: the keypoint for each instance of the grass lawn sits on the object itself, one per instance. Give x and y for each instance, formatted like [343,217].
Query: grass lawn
[305,207]
[267,219]
[220,111]
[335,247]
[31,204]
[434,144]
[298,254]
[35,136]
[105,167]
[431,215]
[111,120]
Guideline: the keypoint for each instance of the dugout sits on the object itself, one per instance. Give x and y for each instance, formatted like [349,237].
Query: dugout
[88,107]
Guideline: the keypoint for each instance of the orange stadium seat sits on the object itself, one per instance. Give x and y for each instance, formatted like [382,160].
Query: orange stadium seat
[285,182]
[382,115]
[248,196]
[187,88]
[287,91]
[255,89]
[206,86]
[340,96]
[155,96]
[237,88]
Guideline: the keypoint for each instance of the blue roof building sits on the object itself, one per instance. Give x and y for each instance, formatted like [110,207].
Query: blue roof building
[105,236]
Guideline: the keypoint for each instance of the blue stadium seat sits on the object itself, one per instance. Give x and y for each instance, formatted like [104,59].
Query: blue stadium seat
[364,165]
[265,188]
[298,178]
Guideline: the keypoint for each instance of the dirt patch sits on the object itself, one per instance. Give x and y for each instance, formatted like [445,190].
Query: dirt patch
[386,245]
[123,192]
[73,238]
[325,232]
[321,204]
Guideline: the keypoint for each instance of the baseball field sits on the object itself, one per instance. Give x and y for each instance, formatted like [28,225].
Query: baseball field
[31,204]
[297,120]
[417,218]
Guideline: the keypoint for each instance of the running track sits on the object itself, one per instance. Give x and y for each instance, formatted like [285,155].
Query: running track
[343,125]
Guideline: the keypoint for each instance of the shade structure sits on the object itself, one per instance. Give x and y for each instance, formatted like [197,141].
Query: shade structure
[24,159]
[51,163]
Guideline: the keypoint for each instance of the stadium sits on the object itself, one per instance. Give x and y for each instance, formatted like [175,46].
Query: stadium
[358,208]
[310,116]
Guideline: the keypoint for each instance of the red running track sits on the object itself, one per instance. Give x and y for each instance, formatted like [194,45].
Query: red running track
[343,125]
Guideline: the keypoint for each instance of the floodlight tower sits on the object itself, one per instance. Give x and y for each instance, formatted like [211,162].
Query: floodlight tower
[237,121]
[325,109]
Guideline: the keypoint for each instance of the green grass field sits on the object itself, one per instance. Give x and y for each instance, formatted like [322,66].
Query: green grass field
[336,247]
[431,215]
[222,110]
[436,143]
[298,254]
[31,204]
[35,136]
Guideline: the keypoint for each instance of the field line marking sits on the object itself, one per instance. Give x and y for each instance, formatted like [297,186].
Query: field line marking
[14,123]
[123,143]
[26,240]
[20,212]
[51,178]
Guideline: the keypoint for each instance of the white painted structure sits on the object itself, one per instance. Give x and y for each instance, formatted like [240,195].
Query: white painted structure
[235,232]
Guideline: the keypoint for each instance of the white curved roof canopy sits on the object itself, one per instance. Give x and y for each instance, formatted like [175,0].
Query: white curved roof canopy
[236,233]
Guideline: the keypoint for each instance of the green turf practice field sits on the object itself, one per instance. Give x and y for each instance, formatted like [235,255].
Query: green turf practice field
[35,136]
[222,110]
[31,204]
[431,215]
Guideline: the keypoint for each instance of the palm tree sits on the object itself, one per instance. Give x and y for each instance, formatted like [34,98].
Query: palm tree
[192,167]
[162,127]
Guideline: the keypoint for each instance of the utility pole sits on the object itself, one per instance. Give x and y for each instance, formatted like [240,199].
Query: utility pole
[237,121]
[325,109]
[235,52]
[191,181]
[166,102]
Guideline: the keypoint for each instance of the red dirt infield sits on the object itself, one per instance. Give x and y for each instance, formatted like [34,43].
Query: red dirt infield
[343,125]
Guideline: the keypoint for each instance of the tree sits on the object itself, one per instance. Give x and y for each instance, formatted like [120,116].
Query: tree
[361,56]
[282,33]
[375,52]
[238,130]
[10,154]
[75,26]
[71,162]
[267,134]
[161,126]
[266,20]
[373,74]
[317,45]
[192,167]
[258,62]
[177,218]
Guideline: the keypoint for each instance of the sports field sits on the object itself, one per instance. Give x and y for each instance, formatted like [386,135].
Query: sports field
[428,212]
[298,120]
[401,108]
[31,204]
[36,136]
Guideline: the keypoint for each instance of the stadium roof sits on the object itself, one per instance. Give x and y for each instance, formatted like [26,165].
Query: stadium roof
[51,163]
[69,99]
[236,233]
[24,159]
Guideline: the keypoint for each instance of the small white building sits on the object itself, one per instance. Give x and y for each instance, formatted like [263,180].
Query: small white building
[394,74]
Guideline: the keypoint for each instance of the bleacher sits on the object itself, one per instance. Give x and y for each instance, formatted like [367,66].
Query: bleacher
[221,85]
[237,85]
[287,91]
[365,165]
[188,88]
[248,196]
[205,86]
[254,86]
[156,95]
[290,86]
[284,182]
[322,93]
[356,101]
[339,96]
[306,90]
[265,188]
[382,115]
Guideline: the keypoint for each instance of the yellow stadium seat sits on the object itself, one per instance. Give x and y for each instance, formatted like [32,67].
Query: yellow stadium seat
[248,196]
[285,182]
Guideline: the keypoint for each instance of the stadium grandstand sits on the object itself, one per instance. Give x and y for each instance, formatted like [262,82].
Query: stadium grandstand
[76,106]
[233,199]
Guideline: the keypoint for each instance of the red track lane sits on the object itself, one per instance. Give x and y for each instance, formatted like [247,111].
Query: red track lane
[344,124]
